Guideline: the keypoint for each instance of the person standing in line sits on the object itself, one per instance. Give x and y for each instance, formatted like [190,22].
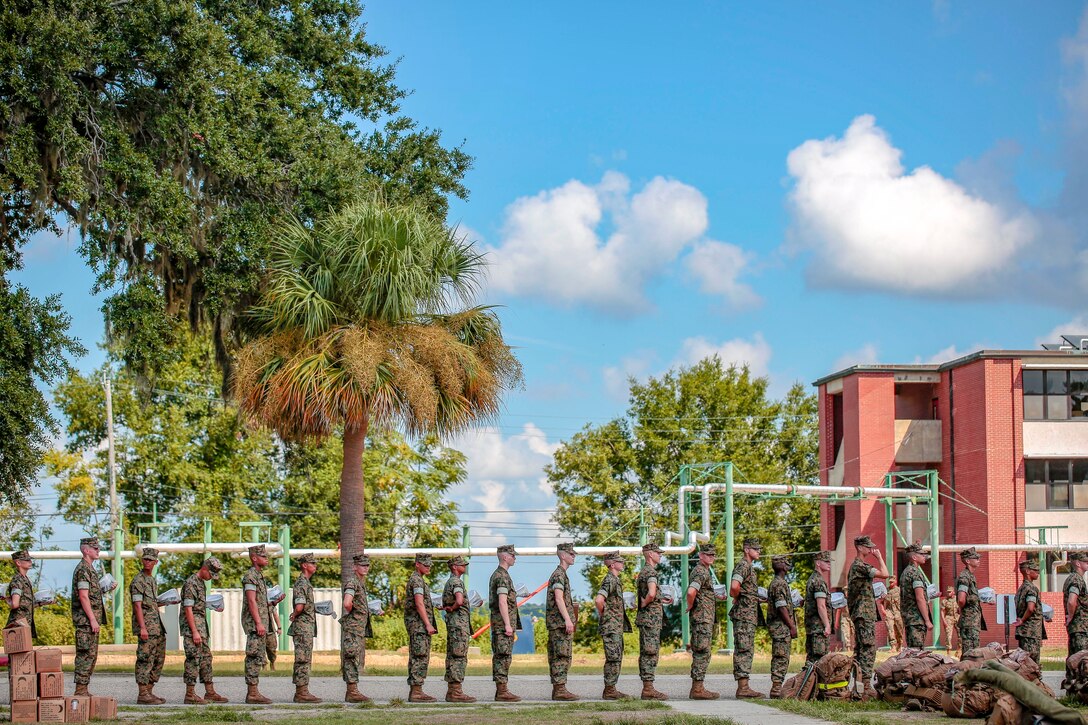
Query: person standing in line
[913,601]
[303,628]
[613,623]
[21,593]
[88,613]
[458,631]
[971,622]
[147,624]
[817,611]
[950,616]
[354,628]
[420,624]
[745,615]
[701,607]
[649,620]
[502,601]
[193,626]
[780,623]
[1075,598]
[861,602]
[897,636]
[256,622]
[560,618]
[1029,613]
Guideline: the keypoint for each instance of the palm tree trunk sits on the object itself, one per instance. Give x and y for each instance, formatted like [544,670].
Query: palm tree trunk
[352,500]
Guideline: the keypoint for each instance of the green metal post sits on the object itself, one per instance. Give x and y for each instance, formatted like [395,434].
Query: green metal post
[889,523]
[207,584]
[729,543]
[285,584]
[642,534]
[118,570]
[935,551]
[685,564]
[466,542]
[1043,563]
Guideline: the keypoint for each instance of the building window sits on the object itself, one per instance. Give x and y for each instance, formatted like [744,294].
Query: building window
[1055,394]
[1056,484]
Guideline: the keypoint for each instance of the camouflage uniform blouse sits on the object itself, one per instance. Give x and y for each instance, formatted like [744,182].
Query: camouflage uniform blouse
[778,595]
[653,613]
[612,616]
[746,606]
[859,591]
[306,620]
[501,585]
[1033,625]
[458,618]
[703,608]
[20,584]
[558,585]
[358,619]
[253,581]
[86,578]
[144,592]
[193,594]
[1075,585]
[816,589]
[912,579]
[416,585]
[971,614]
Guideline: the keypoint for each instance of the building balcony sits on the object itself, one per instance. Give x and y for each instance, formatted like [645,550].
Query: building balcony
[917,441]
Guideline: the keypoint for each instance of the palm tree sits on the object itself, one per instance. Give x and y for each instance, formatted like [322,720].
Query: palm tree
[367,319]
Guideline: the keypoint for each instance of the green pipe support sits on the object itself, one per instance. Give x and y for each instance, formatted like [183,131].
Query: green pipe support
[285,584]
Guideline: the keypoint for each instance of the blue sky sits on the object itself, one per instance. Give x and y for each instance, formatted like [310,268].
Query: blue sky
[798,186]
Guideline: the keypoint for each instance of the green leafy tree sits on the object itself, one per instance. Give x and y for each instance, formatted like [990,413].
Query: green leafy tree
[175,133]
[366,319]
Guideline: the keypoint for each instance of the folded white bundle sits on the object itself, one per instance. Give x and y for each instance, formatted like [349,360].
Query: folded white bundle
[522,591]
[325,608]
[170,596]
[1048,612]
[107,583]
[797,599]
[275,594]
[669,594]
[880,590]
[44,597]
[761,593]
[216,602]
[436,600]
[838,600]
[629,600]
[933,592]
[474,599]
[3,590]
[721,591]
[375,606]
[987,595]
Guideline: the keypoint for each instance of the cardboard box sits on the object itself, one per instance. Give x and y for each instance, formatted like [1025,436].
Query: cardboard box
[51,710]
[24,688]
[103,708]
[24,711]
[50,685]
[17,639]
[76,709]
[21,664]
[48,659]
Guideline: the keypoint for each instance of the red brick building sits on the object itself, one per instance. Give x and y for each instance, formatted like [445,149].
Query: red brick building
[1007,432]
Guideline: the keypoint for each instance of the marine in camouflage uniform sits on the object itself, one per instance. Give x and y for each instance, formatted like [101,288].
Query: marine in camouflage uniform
[916,620]
[816,591]
[354,628]
[151,637]
[85,579]
[420,627]
[458,630]
[702,610]
[897,636]
[20,586]
[198,655]
[560,626]
[780,623]
[303,628]
[501,588]
[745,614]
[1075,598]
[861,603]
[970,624]
[649,620]
[256,622]
[1029,611]
[612,624]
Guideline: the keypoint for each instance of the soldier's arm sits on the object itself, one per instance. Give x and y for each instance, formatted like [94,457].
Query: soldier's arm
[734,587]
[15,599]
[1072,601]
[961,595]
[561,605]
[881,568]
[651,592]
[421,609]
[191,621]
[504,611]
[821,609]
[138,610]
[693,590]
[275,617]
[923,605]
[85,603]
[251,604]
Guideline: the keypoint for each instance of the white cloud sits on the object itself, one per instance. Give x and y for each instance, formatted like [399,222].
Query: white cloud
[755,353]
[944,355]
[492,456]
[634,366]
[718,266]
[871,224]
[1076,326]
[552,247]
[865,355]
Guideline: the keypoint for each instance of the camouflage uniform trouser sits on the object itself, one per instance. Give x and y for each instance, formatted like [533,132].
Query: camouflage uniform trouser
[744,645]
[456,655]
[352,654]
[896,632]
[304,654]
[780,658]
[916,635]
[701,636]
[271,647]
[502,651]
[1032,646]
[256,652]
[198,660]
[649,649]
[1077,641]
[969,637]
[613,657]
[815,646]
[419,656]
[865,648]
[560,652]
[949,626]
[150,656]
[86,655]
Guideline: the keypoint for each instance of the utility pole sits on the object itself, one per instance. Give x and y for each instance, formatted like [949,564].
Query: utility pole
[116,535]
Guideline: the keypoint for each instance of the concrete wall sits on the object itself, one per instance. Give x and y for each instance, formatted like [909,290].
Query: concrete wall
[1056,439]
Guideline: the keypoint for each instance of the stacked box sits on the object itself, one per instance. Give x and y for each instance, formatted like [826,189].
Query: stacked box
[51,710]
[37,683]
[17,639]
[47,659]
[77,709]
[24,711]
[103,708]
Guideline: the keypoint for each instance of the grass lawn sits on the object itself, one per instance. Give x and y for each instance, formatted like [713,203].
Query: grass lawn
[857,713]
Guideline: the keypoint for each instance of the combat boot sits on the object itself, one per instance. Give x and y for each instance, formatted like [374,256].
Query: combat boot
[454,693]
[353,694]
[699,692]
[151,691]
[776,691]
[416,694]
[254,696]
[745,692]
[144,698]
[211,695]
[869,694]
[560,693]
[303,694]
[81,691]
[191,698]
[611,693]
[503,694]
[649,692]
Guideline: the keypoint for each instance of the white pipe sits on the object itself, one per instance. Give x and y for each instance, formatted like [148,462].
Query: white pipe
[1012,547]
[213,548]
